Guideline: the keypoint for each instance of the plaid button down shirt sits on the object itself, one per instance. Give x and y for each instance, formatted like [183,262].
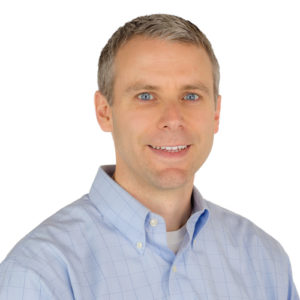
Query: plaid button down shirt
[107,246]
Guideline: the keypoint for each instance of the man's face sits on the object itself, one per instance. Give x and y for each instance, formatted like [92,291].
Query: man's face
[163,97]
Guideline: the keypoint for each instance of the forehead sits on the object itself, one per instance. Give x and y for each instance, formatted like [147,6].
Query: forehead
[153,59]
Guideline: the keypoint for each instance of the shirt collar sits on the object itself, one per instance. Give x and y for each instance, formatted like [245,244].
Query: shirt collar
[199,217]
[128,215]
[118,207]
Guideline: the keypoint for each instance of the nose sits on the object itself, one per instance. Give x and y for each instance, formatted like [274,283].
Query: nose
[171,117]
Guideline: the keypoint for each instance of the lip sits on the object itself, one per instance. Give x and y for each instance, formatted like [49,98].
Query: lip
[170,154]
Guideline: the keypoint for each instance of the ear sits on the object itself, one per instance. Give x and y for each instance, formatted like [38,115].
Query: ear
[217,114]
[103,112]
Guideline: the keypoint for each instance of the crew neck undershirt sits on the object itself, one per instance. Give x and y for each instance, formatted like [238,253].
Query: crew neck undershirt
[175,238]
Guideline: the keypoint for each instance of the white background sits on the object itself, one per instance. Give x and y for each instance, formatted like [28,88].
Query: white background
[51,145]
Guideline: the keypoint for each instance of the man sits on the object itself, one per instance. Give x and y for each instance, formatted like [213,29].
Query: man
[144,231]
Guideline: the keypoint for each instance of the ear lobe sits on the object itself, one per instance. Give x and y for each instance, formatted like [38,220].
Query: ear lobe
[103,112]
[217,114]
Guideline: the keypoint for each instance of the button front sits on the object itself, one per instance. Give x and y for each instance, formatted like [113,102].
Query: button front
[174,269]
[139,245]
[153,222]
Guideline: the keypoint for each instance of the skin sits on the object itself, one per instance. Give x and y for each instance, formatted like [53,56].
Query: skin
[177,80]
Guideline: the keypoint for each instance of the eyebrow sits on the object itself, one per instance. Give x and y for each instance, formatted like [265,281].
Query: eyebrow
[138,86]
[197,86]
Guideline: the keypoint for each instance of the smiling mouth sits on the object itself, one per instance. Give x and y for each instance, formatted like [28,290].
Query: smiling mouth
[170,148]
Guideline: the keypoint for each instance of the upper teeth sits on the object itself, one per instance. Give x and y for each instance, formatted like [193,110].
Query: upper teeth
[170,148]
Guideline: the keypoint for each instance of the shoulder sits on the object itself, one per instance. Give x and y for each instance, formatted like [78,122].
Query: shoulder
[58,229]
[242,233]
[250,251]
[42,259]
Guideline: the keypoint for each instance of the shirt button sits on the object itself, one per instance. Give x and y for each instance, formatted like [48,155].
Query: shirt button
[153,222]
[174,269]
[139,245]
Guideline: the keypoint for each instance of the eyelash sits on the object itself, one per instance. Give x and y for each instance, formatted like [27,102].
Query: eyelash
[152,97]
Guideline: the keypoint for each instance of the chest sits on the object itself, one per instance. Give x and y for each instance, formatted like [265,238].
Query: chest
[205,273]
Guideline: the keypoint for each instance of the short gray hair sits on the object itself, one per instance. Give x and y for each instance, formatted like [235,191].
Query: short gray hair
[162,26]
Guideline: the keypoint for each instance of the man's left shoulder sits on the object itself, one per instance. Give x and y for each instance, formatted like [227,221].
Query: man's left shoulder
[240,232]
[253,254]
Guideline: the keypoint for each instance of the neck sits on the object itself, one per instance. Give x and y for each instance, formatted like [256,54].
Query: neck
[174,205]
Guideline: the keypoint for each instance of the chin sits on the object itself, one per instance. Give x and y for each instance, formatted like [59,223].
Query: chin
[172,178]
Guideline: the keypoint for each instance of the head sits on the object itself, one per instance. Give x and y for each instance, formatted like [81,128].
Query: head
[161,26]
[158,96]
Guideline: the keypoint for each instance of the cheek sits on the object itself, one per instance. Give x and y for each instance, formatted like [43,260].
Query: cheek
[137,119]
[203,120]
[129,127]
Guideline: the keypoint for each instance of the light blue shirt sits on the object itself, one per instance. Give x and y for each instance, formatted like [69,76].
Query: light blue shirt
[107,245]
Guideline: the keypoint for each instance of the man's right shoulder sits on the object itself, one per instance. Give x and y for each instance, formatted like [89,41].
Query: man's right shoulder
[57,230]
[41,260]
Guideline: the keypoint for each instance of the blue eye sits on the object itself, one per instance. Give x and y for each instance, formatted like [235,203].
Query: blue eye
[145,96]
[191,97]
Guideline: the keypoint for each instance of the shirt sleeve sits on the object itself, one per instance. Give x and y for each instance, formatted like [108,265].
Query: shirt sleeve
[17,283]
[20,283]
[292,291]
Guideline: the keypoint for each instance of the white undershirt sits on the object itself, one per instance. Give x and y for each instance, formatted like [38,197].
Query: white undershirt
[175,238]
